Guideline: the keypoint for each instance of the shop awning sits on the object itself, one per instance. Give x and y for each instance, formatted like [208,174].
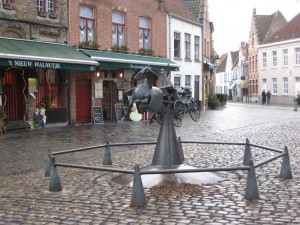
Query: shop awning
[210,65]
[233,84]
[27,53]
[129,61]
[244,84]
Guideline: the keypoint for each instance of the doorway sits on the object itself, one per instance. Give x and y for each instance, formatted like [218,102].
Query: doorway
[109,99]
[83,101]
[14,96]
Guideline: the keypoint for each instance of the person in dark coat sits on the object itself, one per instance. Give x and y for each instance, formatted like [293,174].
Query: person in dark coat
[268,97]
[264,96]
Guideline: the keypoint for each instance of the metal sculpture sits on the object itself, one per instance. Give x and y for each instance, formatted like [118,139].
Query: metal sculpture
[146,94]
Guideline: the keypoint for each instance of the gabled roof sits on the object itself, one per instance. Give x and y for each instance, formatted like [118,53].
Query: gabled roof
[178,8]
[222,67]
[267,25]
[234,57]
[290,31]
[193,6]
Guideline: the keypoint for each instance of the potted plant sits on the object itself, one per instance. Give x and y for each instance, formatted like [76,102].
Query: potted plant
[89,44]
[146,51]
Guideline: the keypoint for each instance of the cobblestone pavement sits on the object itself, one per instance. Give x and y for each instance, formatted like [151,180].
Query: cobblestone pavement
[90,197]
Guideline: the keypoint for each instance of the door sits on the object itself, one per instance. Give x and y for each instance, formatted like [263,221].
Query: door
[197,87]
[14,95]
[109,99]
[83,101]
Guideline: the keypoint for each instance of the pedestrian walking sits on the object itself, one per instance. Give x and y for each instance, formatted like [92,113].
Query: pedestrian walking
[268,97]
[263,94]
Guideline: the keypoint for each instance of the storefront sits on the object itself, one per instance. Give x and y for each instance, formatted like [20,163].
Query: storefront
[35,75]
[115,74]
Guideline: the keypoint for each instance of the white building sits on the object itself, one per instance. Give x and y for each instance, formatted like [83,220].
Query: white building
[279,63]
[184,48]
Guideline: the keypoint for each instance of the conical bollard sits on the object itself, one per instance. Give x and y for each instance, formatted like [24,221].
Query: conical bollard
[251,192]
[107,155]
[285,171]
[247,153]
[54,183]
[138,198]
[48,164]
[48,167]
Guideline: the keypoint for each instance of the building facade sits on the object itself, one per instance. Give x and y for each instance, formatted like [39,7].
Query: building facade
[279,63]
[35,63]
[262,28]
[184,47]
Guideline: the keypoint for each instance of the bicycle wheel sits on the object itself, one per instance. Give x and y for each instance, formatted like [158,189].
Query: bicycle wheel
[194,109]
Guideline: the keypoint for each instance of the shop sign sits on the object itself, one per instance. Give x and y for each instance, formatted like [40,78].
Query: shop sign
[38,64]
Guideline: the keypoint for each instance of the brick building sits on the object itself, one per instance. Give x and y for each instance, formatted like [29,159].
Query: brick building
[35,63]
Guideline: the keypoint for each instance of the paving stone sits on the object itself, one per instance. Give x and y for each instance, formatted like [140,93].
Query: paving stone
[90,197]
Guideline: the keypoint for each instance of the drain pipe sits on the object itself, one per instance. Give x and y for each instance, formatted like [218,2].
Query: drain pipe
[170,37]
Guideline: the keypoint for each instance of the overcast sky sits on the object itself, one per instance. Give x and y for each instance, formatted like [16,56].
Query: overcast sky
[232,19]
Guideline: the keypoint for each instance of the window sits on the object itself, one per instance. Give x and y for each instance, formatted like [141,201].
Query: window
[285,86]
[274,86]
[118,26]
[6,4]
[45,6]
[297,56]
[177,81]
[144,33]
[176,45]
[274,59]
[264,60]
[188,80]
[264,84]
[87,24]
[187,46]
[99,90]
[285,57]
[197,48]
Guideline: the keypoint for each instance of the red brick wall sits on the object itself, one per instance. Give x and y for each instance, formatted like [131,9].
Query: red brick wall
[132,10]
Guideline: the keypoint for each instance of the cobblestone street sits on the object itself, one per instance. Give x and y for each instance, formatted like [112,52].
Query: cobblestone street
[91,197]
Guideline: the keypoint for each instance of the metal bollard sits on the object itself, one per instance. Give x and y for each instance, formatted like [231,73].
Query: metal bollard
[295,105]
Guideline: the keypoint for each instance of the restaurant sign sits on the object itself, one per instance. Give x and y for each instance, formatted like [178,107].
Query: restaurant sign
[46,65]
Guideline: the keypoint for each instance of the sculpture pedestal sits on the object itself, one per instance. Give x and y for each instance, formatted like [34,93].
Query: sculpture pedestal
[167,156]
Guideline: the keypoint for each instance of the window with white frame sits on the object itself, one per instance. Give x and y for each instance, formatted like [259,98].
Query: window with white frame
[177,83]
[264,60]
[197,48]
[176,44]
[274,58]
[118,29]
[43,6]
[99,90]
[264,84]
[285,86]
[144,24]
[297,56]
[87,23]
[285,57]
[274,86]
[188,80]
[187,46]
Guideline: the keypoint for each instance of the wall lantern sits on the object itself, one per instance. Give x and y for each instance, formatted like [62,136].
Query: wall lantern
[33,85]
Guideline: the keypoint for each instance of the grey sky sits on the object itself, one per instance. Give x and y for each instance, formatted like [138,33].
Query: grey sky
[232,19]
